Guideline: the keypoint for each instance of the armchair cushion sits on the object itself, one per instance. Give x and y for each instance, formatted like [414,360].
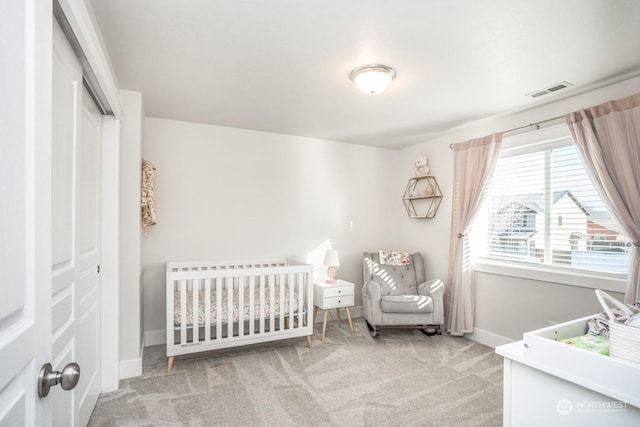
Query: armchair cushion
[407,304]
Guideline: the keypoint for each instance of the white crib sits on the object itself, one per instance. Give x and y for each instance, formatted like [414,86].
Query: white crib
[220,304]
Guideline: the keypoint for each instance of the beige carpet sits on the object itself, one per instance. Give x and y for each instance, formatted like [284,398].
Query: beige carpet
[402,378]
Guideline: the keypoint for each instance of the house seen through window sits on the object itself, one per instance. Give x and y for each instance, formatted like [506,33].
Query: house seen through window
[541,208]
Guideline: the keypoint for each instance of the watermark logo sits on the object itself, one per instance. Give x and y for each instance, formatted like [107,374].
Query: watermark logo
[564,406]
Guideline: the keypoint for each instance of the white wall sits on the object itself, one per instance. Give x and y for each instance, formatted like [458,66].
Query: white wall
[130,292]
[506,306]
[230,193]
[428,236]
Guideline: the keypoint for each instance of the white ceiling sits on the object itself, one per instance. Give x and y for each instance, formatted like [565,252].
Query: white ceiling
[283,65]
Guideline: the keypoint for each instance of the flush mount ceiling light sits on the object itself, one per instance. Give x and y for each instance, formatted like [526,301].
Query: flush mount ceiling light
[373,78]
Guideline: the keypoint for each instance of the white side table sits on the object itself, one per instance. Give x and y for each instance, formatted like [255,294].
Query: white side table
[333,295]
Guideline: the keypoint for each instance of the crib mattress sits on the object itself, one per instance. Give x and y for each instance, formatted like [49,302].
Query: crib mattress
[236,315]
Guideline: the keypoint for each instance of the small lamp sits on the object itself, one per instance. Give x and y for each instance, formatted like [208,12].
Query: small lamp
[331,261]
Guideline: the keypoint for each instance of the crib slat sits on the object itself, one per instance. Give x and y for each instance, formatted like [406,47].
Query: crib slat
[272,301]
[301,300]
[280,288]
[241,306]
[229,307]
[196,323]
[291,287]
[262,285]
[183,312]
[207,310]
[219,284]
[171,312]
[252,302]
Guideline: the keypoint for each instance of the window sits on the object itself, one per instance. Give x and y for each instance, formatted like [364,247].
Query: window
[542,208]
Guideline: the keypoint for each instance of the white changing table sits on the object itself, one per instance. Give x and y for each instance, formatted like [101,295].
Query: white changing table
[548,383]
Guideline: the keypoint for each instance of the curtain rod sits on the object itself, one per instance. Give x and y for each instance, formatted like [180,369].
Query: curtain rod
[535,125]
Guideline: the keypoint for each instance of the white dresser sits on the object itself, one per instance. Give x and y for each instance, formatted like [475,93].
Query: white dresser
[548,383]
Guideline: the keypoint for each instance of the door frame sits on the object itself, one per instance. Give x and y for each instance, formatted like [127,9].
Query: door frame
[79,28]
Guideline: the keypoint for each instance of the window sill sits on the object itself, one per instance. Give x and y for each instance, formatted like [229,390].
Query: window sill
[604,281]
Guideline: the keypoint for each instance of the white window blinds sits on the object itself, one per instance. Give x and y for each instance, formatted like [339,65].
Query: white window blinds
[542,208]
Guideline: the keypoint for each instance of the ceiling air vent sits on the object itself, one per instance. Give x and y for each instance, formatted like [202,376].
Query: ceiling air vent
[554,88]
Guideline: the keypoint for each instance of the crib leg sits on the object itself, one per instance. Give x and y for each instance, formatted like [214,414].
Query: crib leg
[309,341]
[170,364]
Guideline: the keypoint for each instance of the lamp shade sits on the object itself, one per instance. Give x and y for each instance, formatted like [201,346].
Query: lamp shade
[331,258]
[373,78]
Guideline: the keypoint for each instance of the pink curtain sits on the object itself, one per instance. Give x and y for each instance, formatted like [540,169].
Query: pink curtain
[474,162]
[608,137]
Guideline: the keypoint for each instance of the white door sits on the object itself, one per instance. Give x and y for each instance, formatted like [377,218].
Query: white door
[25,209]
[76,171]
[49,221]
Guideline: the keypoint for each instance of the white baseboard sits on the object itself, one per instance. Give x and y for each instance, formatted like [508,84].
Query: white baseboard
[155,338]
[488,338]
[132,367]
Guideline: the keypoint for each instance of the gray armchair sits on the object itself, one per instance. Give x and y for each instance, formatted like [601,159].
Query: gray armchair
[398,296]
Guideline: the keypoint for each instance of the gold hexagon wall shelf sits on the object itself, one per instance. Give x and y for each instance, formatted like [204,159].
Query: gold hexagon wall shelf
[422,197]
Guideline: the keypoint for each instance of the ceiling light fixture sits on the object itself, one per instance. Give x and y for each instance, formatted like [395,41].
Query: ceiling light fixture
[373,78]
